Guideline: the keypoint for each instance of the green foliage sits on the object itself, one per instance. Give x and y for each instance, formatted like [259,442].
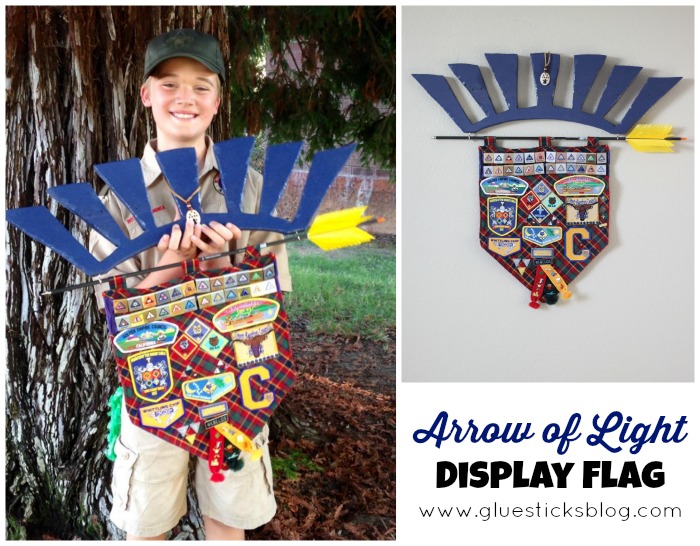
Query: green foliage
[330,80]
[14,529]
[288,467]
[348,292]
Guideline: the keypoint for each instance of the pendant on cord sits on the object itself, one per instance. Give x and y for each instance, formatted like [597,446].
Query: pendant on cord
[193,215]
[545,77]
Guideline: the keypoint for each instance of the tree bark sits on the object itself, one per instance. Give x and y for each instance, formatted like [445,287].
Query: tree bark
[72,101]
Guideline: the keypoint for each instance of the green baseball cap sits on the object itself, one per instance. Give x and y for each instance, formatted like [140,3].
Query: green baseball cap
[185,42]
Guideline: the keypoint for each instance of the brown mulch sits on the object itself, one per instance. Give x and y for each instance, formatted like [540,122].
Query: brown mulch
[341,415]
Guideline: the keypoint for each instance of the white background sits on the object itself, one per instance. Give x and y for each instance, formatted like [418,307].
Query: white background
[465,318]
[493,359]
[541,405]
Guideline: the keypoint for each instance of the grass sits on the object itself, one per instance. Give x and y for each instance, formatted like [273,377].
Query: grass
[350,291]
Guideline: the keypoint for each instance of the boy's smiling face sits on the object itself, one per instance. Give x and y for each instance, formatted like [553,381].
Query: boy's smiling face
[183,95]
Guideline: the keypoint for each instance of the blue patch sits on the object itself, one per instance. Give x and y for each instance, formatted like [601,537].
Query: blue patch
[502,214]
[151,374]
[540,213]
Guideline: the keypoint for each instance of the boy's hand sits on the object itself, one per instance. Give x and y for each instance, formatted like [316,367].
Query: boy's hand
[178,246]
[174,248]
[215,238]
[219,236]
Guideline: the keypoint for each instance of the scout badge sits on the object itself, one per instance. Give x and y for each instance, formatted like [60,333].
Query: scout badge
[545,211]
[203,360]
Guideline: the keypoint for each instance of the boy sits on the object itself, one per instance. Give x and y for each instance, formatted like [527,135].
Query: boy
[184,74]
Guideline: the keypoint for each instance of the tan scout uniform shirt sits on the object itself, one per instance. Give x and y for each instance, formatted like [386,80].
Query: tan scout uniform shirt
[164,210]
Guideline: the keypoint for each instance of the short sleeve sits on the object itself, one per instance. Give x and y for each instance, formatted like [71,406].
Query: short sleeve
[101,248]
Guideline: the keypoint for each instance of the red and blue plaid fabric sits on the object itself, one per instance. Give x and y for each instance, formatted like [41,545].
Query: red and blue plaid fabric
[265,380]
[544,205]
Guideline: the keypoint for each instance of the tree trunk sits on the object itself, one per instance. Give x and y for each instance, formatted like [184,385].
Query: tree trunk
[72,101]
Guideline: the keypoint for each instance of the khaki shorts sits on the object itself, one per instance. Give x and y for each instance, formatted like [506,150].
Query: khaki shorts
[149,486]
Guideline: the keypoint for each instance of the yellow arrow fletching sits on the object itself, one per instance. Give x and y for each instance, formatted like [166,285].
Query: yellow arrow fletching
[651,146]
[650,131]
[651,138]
[339,219]
[341,238]
[338,229]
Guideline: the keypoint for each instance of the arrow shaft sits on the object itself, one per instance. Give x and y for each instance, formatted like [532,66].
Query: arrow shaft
[618,137]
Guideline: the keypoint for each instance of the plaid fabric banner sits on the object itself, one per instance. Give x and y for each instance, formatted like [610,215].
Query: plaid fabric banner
[544,211]
[207,349]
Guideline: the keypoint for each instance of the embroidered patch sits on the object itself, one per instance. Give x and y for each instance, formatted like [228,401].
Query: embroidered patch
[502,214]
[246,387]
[521,264]
[149,301]
[185,347]
[198,330]
[530,201]
[579,185]
[504,185]
[162,297]
[151,374]
[244,314]
[542,236]
[263,288]
[189,289]
[552,202]
[208,389]
[189,432]
[582,210]
[254,344]
[211,423]
[203,285]
[162,415]
[214,343]
[212,410]
[136,319]
[504,246]
[539,213]
[541,190]
[542,255]
[574,249]
[148,336]
[122,323]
